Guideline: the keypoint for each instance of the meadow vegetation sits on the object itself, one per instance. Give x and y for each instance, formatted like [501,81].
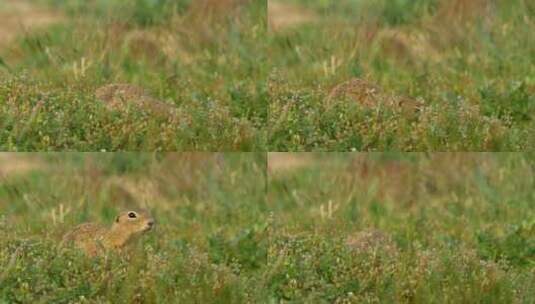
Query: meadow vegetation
[281,75]
[322,228]
[203,58]
[469,63]
[402,228]
[208,245]
[251,75]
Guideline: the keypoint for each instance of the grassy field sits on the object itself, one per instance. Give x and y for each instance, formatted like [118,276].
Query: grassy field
[209,244]
[332,228]
[402,228]
[204,59]
[469,64]
[451,75]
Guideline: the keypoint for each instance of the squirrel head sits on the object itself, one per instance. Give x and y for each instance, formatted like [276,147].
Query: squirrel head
[134,221]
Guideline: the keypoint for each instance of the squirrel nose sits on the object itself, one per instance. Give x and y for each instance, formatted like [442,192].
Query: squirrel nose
[150,223]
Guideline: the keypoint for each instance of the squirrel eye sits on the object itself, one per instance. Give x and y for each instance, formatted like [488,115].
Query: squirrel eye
[131,214]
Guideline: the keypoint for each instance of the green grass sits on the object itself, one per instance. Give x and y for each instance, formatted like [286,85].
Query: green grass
[459,228]
[208,246]
[463,225]
[238,87]
[207,64]
[470,62]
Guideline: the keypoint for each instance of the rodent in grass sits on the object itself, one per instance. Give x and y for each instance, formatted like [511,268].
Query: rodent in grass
[94,239]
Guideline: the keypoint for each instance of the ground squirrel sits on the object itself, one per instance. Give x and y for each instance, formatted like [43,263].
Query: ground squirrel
[372,240]
[370,95]
[94,239]
[118,96]
[362,91]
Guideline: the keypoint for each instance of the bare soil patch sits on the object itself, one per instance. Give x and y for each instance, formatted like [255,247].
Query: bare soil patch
[12,164]
[18,17]
[283,16]
[284,162]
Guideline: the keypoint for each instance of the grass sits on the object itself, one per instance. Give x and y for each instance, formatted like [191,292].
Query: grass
[239,87]
[200,57]
[458,228]
[207,247]
[469,62]
[425,228]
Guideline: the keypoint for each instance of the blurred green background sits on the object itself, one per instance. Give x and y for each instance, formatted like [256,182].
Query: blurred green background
[204,58]
[403,227]
[469,62]
[209,209]
[317,227]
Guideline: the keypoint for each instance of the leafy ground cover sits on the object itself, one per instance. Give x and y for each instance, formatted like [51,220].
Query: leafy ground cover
[468,63]
[202,58]
[402,228]
[207,245]
[322,228]
[252,75]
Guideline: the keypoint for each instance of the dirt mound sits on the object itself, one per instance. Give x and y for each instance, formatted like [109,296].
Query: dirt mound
[18,17]
[391,180]
[433,38]
[282,15]
[411,47]
[14,164]
[144,45]
[119,96]
[464,11]
[279,162]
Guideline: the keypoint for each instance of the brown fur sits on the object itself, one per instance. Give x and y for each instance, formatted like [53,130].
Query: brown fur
[370,95]
[94,239]
[117,96]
